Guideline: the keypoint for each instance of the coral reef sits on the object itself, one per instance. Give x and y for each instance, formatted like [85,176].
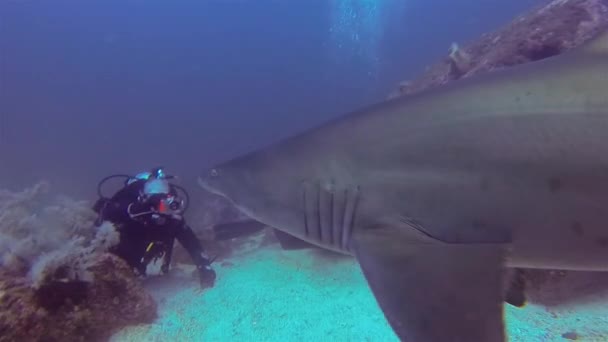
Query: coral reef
[30,228]
[546,31]
[74,310]
[56,280]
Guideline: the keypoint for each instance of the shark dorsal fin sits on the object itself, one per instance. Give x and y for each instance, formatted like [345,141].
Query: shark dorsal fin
[597,45]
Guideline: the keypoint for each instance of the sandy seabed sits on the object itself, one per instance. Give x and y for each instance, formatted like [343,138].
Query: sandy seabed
[267,294]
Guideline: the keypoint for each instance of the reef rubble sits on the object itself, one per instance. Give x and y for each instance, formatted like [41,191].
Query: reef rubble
[543,32]
[57,281]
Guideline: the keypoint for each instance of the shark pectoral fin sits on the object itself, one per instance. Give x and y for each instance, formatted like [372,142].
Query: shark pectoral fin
[290,242]
[435,292]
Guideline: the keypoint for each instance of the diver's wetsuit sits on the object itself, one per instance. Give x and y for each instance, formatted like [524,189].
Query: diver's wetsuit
[142,238]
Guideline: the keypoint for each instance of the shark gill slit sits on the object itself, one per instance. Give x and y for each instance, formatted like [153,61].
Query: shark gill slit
[311,209]
[305,211]
[338,207]
[317,213]
[352,198]
[325,212]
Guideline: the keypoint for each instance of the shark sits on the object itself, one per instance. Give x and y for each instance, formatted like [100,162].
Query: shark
[438,193]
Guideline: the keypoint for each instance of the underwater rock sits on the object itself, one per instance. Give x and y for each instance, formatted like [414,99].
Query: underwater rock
[57,282]
[543,32]
[570,336]
[34,224]
[460,61]
[74,310]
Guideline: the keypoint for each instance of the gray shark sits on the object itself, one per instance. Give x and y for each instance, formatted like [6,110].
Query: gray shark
[437,193]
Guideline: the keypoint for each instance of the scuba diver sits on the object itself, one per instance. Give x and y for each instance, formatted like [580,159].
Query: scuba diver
[148,214]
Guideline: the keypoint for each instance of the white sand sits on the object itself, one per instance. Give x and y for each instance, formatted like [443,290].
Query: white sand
[274,295]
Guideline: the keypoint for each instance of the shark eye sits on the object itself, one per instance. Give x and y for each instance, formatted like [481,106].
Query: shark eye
[214,173]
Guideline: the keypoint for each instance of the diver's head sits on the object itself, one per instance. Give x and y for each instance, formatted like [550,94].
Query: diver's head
[161,194]
[155,173]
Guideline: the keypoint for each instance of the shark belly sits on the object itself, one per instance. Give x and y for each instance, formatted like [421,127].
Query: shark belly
[547,218]
[567,233]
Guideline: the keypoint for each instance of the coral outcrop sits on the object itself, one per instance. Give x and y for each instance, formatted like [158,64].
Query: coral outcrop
[57,281]
[544,32]
[74,310]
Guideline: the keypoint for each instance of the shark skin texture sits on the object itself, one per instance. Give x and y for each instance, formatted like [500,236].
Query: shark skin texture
[436,194]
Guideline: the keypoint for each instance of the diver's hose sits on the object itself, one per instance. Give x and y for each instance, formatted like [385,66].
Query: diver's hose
[105,179]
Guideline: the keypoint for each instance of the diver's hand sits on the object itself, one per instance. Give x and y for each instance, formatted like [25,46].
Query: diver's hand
[206,276]
[164,268]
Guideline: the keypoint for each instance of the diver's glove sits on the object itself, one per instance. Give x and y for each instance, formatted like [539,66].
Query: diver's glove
[164,268]
[206,276]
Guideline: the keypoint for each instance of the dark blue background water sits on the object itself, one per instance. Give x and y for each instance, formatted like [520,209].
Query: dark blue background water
[89,88]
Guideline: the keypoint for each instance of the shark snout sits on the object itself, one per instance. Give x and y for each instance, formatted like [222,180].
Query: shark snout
[209,181]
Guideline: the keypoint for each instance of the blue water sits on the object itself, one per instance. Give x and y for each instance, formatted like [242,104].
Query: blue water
[89,88]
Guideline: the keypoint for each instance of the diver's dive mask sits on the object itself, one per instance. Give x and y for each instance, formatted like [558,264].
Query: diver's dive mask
[170,205]
[164,203]
[158,191]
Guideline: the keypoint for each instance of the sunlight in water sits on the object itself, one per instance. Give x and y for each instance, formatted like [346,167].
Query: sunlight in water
[356,29]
